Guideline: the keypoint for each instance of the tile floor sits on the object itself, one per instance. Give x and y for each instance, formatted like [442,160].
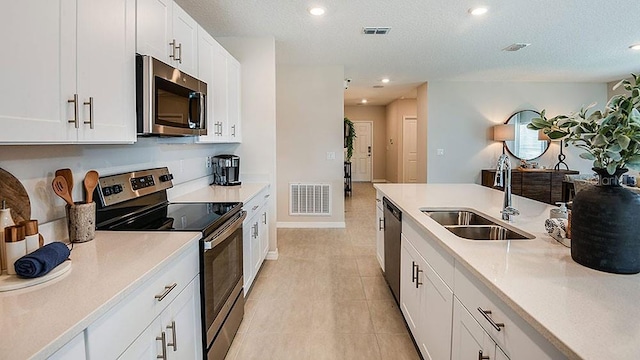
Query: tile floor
[325,297]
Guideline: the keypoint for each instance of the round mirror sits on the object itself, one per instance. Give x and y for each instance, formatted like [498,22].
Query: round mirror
[525,145]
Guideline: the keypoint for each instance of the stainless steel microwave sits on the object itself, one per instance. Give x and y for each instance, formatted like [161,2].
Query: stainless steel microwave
[168,101]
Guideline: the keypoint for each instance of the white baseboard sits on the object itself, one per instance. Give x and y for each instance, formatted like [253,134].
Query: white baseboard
[272,255]
[379,180]
[310,225]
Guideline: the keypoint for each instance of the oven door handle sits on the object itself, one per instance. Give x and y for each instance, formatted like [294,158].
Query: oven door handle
[227,229]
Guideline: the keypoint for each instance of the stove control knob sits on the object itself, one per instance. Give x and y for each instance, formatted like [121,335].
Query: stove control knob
[116,189]
[165,178]
[107,191]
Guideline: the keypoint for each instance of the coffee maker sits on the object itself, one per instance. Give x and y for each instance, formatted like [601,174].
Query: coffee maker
[226,170]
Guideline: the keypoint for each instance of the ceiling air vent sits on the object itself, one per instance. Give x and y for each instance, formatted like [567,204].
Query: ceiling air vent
[516,47]
[378,86]
[376,30]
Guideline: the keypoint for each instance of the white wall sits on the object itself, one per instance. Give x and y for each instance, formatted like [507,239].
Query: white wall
[258,149]
[309,124]
[461,115]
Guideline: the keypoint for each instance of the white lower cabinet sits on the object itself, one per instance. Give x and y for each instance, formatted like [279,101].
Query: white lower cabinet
[175,333]
[379,231]
[426,302]
[73,350]
[255,236]
[470,341]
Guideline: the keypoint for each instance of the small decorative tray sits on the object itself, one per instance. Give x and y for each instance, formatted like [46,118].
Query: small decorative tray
[13,282]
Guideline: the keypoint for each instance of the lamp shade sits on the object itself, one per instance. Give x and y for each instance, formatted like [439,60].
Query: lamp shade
[504,132]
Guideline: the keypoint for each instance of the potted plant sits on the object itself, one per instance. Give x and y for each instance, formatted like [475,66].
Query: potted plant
[349,135]
[604,217]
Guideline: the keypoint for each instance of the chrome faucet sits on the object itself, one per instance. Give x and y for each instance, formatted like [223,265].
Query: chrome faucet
[503,178]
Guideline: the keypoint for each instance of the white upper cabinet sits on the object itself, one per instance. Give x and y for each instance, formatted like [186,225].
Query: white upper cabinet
[221,72]
[66,53]
[106,71]
[185,33]
[167,33]
[154,24]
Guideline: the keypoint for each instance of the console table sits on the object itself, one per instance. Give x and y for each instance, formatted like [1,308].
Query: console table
[538,184]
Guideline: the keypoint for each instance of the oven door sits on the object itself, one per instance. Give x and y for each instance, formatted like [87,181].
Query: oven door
[222,279]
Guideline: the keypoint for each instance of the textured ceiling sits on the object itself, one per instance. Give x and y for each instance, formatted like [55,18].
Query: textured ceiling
[437,40]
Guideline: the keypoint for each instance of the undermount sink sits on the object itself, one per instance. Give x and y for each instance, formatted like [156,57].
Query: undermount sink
[468,224]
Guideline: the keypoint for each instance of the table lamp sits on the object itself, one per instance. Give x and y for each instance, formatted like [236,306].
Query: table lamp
[504,132]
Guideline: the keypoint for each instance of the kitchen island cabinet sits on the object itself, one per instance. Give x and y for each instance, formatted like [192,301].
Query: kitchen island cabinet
[551,307]
[104,272]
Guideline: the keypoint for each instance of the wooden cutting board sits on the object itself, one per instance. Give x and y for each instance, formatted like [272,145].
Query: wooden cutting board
[12,191]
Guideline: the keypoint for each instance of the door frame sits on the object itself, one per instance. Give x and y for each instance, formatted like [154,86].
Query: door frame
[404,119]
[372,147]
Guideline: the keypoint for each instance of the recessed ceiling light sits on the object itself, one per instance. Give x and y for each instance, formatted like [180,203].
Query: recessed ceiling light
[316,11]
[634,47]
[385,81]
[478,11]
[364,101]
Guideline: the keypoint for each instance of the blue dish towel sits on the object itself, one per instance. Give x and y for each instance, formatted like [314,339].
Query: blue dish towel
[41,261]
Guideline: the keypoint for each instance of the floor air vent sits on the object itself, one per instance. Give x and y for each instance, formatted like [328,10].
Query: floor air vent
[309,199]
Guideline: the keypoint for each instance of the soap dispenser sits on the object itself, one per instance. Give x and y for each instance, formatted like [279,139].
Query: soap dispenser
[559,213]
[5,220]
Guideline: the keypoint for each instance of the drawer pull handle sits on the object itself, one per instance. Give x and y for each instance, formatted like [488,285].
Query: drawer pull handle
[163,339]
[486,313]
[413,271]
[167,290]
[173,344]
[255,207]
[482,357]
[418,271]
[267,196]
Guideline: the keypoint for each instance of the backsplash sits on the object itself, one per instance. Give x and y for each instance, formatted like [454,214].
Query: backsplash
[35,165]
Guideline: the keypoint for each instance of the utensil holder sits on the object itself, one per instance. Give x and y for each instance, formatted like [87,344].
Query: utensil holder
[81,222]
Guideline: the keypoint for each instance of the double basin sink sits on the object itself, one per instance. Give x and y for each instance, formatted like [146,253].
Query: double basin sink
[469,224]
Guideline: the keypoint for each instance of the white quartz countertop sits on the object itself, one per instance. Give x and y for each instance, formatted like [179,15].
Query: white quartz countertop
[36,321]
[587,314]
[216,193]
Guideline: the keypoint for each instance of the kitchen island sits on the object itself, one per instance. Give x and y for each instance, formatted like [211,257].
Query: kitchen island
[584,313]
[37,321]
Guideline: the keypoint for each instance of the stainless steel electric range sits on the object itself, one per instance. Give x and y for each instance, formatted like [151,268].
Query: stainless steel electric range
[137,201]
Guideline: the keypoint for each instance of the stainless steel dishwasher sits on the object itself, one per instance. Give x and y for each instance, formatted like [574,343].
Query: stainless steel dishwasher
[392,244]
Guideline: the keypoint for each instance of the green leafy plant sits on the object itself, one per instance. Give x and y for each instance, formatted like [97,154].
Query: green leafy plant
[611,138]
[349,135]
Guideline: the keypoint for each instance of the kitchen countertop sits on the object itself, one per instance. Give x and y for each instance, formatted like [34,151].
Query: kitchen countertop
[585,313]
[37,321]
[216,193]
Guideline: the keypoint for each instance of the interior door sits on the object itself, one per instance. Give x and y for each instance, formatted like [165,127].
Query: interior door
[410,150]
[362,151]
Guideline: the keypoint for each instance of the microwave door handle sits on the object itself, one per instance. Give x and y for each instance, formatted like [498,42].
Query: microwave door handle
[203,111]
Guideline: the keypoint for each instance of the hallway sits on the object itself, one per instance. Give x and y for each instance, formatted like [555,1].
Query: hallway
[325,297]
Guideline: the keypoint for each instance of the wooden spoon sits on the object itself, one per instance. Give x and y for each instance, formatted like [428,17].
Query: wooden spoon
[90,183]
[61,189]
[68,175]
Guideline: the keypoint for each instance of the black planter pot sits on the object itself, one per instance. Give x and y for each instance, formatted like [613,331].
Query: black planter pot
[605,226]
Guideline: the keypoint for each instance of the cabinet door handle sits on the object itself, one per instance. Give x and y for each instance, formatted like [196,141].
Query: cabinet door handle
[413,271]
[163,339]
[173,49]
[418,271]
[90,103]
[264,218]
[75,110]
[482,357]
[179,53]
[380,224]
[174,344]
[486,313]
[233,133]
[255,207]
[167,290]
